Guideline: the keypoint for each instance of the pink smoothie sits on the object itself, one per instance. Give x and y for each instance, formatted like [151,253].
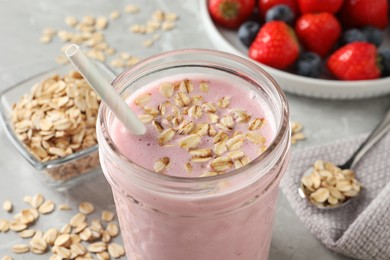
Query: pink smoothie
[138,148]
[226,220]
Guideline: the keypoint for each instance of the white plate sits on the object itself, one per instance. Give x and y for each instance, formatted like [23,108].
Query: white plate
[227,40]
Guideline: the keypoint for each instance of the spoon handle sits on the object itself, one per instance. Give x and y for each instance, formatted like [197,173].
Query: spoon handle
[374,137]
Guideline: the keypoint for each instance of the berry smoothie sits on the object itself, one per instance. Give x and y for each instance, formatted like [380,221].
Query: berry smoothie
[202,183]
[222,120]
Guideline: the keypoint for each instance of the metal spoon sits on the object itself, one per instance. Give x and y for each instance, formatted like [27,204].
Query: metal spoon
[374,137]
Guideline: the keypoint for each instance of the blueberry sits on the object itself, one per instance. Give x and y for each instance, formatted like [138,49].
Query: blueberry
[385,61]
[353,35]
[373,35]
[247,32]
[280,13]
[309,64]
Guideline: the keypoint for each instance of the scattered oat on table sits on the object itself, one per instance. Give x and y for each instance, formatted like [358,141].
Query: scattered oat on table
[20,248]
[131,9]
[45,39]
[37,200]
[7,206]
[116,250]
[296,132]
[159,20]
[107,215]
[28,233]
[27,199]
[114,15]
[4,225]
[80,239]
[46,207]
[88,32]
[148,43]
[47,35]
[71,21]
[86,208]
[65,207]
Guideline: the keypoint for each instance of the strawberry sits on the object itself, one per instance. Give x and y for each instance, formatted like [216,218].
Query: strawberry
[275,45]
[358,13]
[316,6]
[318,32]
[230,13]
[265,5]
[355,61]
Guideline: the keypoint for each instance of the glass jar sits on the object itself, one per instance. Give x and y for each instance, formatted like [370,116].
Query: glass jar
[227,216]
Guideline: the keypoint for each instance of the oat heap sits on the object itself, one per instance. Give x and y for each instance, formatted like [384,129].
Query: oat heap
[89,33]
[330,185]
[76,240]
[58,117]
[175,120]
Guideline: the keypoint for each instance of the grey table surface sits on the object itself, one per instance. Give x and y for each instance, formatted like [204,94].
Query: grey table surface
[22,56]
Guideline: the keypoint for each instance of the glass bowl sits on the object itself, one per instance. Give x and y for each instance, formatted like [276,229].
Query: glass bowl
[62,172]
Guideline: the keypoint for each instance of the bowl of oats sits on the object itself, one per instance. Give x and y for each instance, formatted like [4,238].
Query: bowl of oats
[51,118]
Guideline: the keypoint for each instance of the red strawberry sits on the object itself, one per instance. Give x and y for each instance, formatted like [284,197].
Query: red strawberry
[355,61]
[318,32]
[358,13]
[316,6]
[264,5]
[230,13]
[275,45]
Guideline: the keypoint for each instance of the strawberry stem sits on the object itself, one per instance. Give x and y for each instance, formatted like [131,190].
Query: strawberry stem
[229,9]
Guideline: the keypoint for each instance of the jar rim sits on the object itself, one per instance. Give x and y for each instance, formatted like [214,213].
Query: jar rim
[282,130]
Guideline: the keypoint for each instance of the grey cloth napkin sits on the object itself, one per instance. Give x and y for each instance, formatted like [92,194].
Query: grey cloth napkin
[360,229]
